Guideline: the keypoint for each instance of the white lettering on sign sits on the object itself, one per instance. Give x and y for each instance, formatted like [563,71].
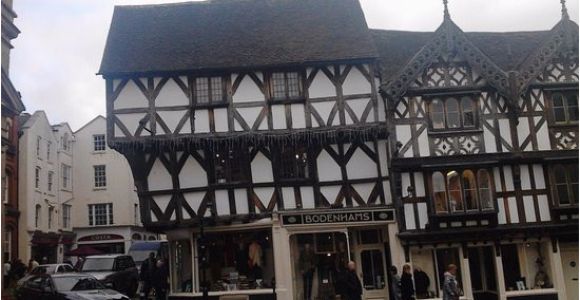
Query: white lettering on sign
[338,218]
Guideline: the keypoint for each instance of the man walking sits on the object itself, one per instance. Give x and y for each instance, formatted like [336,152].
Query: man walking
[353,285]
[148,269]
[159,281]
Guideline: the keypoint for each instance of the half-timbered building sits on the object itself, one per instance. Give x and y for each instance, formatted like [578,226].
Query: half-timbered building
[257,141]
[484,135]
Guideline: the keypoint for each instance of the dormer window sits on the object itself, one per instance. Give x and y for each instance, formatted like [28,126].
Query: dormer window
[208,90]
[286,85]
[452,113]
[565,107]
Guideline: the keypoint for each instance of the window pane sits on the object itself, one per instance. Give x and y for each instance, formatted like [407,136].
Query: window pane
[216,89]
[437,114]
[452,107]
[572,101]
[485,196]
[278,86]
[469,190]
[454,187]
[439,195]
[468,112]
[228,164]
[181,259]
[373,271]
[559,109]
[99,142]
[293,163]
[561,185]
[201,90]
[293,84]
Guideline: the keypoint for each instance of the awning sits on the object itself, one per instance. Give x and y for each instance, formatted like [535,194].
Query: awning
[83,251]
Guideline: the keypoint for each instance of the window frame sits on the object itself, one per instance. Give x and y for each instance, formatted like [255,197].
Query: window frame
[476,172]
[105,211]
[99,142]
[50,180]
[66,217]
[572,193]
[37,171]
[244,166]
[459,98]
[50,216]
[565,106]
[287,97]
[211,102]
[66,175]
[100,176]
[37,215]
[281,160]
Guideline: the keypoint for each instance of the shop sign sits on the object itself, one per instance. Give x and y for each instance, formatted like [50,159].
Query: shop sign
[332,217]
[100,237]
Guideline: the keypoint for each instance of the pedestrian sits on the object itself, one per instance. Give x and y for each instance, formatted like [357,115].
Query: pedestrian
[450,288]
[18,269]
[422,283]
[159,280]
[6,273]
[32,264]
[407,288]
[148,269]
[353,287]
[79,264]
[395,283]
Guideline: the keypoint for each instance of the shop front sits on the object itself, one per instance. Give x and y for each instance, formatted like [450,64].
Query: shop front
[104,243]
[294,256]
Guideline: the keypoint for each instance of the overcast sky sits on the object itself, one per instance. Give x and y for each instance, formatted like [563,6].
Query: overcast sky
[60,48]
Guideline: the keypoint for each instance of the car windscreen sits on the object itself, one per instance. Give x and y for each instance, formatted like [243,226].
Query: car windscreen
[76,283]
[98,264]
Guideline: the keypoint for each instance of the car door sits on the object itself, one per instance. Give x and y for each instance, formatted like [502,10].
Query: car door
[47,289]
[31,288]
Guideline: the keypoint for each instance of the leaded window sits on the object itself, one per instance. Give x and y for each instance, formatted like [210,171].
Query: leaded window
[208,90]
[286,85]
[565,185]
[453,113]
[565,107]
[293,163]
[229,166]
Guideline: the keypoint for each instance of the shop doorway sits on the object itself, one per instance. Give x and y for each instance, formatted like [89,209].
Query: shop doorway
[570,268]
[370,256]
[482,271]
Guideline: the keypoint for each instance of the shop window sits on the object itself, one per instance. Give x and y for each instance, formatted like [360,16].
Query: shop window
[459,191]
[565,107]
[238,260]
[293,163]
[286,85]
[373,275]
[565,186]
[445,257]
[181,261]
[482,270]
[319,260]
[229,166]
[424,272]
[370,236]
[526,266]
[452,114]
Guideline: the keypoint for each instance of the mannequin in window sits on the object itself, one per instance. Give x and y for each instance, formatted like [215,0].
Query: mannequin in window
[255,260]
[307,266]
[541,280]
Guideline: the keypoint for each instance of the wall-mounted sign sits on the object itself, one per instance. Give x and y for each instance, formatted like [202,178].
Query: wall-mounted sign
[332,217]
[100,237]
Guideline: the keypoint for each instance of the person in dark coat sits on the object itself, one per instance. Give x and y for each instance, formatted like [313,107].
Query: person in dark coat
[148,269]
[422,283]
[407,289]
[353,287]
[159,280]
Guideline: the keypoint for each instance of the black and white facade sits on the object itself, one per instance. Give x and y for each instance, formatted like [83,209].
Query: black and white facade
[260,132]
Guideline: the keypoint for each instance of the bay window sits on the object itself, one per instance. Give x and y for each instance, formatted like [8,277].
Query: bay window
[453,113]
[565,184]
[456,191]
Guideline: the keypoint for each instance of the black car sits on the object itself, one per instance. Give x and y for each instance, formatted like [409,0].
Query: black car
[115,270]
[71,286]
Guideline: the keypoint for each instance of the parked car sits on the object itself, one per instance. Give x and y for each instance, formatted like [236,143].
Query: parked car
[70,286]
[47,269]
[115,270]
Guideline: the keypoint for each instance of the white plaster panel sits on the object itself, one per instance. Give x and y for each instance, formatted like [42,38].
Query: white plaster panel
[539,176]
[513,210]
[330,192]
[289,197]
[241,197]
[247,91]
[489,140]
[524,132]
[131,121]
[403,136]
[529,209]
[419,184]
[383,160]
[504,130]
[171,119]
[220,116]
[543,136]
[544,208]
[501,216]
[423,216]
[307,194]
[409,216]
[194,200]
[358,106]
[525,177]
[321,86]
[262,169]
[497,179]
[171,95]
[250,114]
[131,97]
[201,121]
[355,83]
[159,178]
[186,128]
[222,202]
[298,116]
[387,191]
[328,169]
[118,131]
[192,174]
[381,109]
[405,182]
[364,190]
[162,201]
[509,178]
[278,116]
[423,144]
[324,109]
[264,194]
[360,166]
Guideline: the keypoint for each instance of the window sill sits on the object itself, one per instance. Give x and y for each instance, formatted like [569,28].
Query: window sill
[287,101]
[571,125]
[531,292]
[99,152]
[102,188]
[454,131]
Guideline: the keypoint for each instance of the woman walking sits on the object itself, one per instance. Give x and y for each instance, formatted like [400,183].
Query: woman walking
[407,288]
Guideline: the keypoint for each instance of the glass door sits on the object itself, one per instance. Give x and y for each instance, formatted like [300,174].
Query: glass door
[371,263]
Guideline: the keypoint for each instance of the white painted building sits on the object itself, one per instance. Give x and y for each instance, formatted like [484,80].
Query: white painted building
[45,189]
[106,213]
